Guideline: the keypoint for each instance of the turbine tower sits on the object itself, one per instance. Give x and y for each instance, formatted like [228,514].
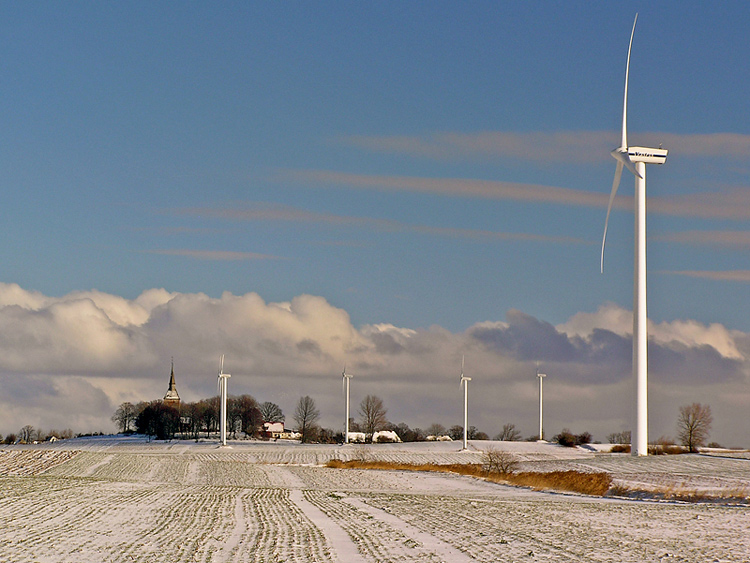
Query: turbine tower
[222,381]
[541,377]
[635,160]
[465,384]
[345,377]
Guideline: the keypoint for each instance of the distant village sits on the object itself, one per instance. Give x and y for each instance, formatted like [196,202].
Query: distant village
[170,418]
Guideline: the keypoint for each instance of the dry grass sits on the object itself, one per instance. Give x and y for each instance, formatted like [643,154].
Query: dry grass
[595,484]
[738,495]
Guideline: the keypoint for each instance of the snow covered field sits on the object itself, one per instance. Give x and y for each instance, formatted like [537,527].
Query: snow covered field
[103,499]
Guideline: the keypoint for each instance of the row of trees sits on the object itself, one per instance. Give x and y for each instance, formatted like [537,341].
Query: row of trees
[245,415]
[373,418]
[163,421]
[28,435]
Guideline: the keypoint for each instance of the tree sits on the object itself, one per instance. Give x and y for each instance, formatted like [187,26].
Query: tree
[475,434]
[159,420]
[373,413]
[499,461]
[27,433]
[271,412]
[306,416]
[124,416]
[619,437]
[694,425]
[192,416]
[436,430]
[208,410]
[233,416]
[250,415]
[408,434]
[456,432]
[509,433]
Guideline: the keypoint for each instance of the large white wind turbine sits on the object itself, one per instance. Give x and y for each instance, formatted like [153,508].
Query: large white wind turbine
[635,160]
[345,377]
[541,377]
[222,381]
[465,384]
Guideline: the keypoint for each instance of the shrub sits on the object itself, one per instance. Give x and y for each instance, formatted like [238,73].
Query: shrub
[565,438]
[584,438]
[620,448]
[499,461]
[623,437]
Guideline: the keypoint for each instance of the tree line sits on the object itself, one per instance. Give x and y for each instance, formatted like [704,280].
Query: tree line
[164,422]
[245,416]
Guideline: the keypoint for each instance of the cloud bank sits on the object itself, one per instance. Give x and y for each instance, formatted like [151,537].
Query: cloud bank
[69,361]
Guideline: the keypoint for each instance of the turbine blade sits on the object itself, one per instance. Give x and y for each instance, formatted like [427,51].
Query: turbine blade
[624,142]
[615,185]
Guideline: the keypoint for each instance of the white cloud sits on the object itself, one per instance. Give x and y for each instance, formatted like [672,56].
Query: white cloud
[69,361]
[687,332]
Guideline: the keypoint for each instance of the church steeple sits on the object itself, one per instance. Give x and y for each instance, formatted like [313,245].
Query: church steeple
[172,398]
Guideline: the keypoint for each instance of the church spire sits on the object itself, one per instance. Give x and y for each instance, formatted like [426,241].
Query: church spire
[172,397]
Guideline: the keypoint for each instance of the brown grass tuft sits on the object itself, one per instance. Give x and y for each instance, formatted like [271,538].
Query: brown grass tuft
[596,484]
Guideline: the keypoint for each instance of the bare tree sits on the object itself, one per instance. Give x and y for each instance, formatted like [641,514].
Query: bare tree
[271,412]
[250,415]
[373,413]
[27,433]
[456,432]
[499,461]
[125,416]
[306,415]
[693,425]
[619,437]
[509,433]
[436,430]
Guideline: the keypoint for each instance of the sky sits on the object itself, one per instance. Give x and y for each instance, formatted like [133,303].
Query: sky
[388,186]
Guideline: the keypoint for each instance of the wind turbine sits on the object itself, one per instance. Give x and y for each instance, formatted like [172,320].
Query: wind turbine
[635,160]
[465,384]
[222,381]
[541,377]
[345,377]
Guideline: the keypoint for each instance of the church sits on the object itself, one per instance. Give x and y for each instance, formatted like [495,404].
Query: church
[172,398]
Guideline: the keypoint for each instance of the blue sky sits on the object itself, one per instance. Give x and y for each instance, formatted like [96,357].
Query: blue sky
[414,164]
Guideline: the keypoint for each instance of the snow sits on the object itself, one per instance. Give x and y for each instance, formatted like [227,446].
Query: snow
[127,499]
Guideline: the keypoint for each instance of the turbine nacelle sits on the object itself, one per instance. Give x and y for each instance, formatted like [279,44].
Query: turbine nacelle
[647,155]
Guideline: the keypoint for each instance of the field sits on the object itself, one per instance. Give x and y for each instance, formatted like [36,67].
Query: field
[101,500]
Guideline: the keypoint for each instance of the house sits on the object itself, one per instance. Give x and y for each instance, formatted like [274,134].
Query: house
[274,429]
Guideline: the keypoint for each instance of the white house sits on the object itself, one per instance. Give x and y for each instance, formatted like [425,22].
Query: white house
[275,429]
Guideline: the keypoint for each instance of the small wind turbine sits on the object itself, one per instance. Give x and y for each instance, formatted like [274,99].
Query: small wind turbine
[635,160]
[222,381]
[541,377]
[465,384]
[345,377]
